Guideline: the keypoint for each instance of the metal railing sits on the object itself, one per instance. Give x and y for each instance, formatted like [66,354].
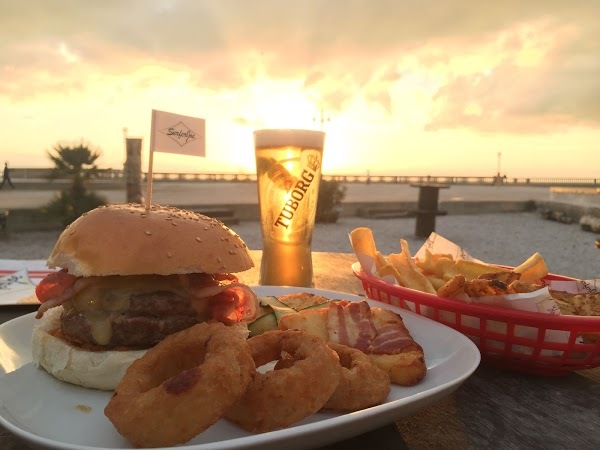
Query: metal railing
[41,175]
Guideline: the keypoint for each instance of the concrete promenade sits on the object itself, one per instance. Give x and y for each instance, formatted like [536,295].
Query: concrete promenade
[223,193]
[498,237]
[494,237]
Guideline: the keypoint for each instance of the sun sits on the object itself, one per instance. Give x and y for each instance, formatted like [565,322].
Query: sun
[268,103]
[282,104]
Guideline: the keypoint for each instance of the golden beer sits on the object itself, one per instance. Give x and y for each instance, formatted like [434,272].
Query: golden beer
[288,166]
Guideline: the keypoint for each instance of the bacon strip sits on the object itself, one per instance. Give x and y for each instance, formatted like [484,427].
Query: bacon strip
[53,285]
[80,284]
[236,303]
[391,340]
[211,291]
[239,303]
[349,323]
[353,325]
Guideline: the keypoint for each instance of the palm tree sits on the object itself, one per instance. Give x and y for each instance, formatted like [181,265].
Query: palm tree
[78,163]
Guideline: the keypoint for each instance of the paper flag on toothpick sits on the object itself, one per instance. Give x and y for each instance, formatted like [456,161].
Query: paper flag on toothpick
[174,133]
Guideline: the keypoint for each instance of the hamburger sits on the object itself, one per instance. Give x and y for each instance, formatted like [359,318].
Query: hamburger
[129,277]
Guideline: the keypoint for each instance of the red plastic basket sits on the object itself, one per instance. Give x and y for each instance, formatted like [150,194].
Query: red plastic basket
[542,344]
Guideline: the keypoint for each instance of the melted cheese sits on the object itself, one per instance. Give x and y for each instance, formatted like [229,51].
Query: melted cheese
[100,326]
[105,300]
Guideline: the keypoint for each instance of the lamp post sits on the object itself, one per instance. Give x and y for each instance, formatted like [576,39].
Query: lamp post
[322,118]
[499,160]
[498,179]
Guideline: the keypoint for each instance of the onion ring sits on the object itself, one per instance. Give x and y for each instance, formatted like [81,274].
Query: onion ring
[362,384]
[181,386]
[279,398]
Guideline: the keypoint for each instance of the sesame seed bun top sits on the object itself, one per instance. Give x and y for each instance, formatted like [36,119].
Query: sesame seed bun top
[127,239]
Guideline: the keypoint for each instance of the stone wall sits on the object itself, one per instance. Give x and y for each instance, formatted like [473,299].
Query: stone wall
[572,211]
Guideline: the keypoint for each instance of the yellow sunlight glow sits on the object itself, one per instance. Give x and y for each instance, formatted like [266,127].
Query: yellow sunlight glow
[9,357]
[282,104]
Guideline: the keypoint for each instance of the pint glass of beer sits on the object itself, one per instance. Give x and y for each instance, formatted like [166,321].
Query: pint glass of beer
[288,166]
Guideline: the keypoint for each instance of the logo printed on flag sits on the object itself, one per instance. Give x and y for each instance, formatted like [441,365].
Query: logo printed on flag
[180,133]
[174,133]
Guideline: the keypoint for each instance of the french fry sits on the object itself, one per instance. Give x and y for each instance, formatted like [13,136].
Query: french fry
[396,259]
[362,241]
[519,287]
[435,281]
[426,264]
[484,288]
[471,269]
[407,257]
[409,273]
[505,276]
[441,274]
[452,287]
[380,261]
[415,280]
[434,263]
[388,269]
[435,257]
[443,268]
[533,269]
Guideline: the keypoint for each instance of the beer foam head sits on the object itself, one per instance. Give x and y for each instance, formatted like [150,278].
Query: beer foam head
[296,138]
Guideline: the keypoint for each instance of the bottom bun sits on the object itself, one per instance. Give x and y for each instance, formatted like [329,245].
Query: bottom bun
[99,370]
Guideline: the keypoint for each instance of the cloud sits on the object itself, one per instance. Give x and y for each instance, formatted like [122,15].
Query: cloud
[244,121]
[543,81]
[473,55]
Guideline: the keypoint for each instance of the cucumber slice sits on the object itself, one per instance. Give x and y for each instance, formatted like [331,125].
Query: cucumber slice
[264,323]
[321,305]
[282,311]
[270,301]
[279,309]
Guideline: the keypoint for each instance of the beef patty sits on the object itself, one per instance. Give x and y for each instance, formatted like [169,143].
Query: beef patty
[150,317]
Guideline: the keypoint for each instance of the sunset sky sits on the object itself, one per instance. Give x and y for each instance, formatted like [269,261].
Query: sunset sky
[409,87]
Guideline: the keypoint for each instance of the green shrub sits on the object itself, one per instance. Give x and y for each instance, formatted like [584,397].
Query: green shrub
[329,204]
[68,207]
[77,163]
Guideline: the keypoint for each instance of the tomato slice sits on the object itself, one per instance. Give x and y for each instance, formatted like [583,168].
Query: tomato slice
[53,285]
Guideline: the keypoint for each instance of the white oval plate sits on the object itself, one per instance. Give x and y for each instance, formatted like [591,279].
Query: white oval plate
[51,413]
